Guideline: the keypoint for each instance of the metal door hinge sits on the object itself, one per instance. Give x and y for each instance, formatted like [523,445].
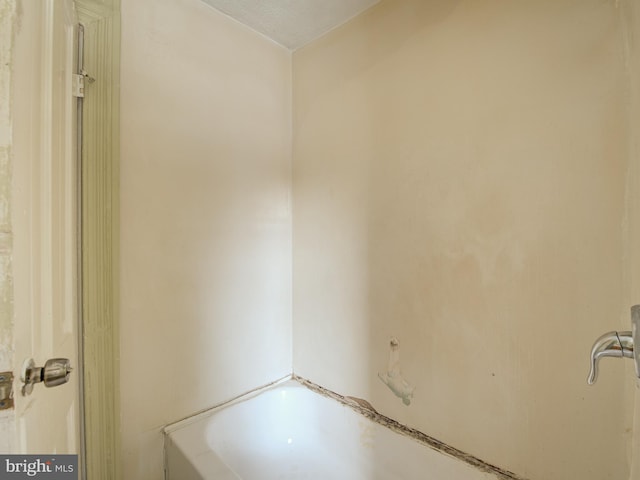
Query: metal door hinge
[78,81]
[6,390]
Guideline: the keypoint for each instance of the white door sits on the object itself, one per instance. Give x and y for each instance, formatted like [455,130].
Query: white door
[44,218]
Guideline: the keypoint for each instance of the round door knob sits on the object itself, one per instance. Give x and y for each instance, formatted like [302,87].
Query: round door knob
[56,372]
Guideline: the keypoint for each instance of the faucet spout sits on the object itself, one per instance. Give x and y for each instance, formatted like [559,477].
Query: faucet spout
[611,344]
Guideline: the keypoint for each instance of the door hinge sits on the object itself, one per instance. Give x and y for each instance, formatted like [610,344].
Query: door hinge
[78,81]
[6,390]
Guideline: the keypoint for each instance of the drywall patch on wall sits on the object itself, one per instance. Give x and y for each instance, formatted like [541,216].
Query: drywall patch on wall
[393,378]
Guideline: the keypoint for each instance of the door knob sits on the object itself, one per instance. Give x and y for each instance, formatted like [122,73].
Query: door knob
[56,371]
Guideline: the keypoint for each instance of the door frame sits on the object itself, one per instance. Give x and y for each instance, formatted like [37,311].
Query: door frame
[100,236]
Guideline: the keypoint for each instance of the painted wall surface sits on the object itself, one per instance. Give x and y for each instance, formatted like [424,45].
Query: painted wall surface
[7,19]
[205,217]
[7,23]
[631,16]
[459,185]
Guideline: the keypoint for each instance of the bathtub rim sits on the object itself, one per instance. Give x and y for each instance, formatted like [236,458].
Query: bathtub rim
[351,402]
[207,412]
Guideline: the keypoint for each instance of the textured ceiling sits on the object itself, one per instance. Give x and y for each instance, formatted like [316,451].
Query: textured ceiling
[292,23]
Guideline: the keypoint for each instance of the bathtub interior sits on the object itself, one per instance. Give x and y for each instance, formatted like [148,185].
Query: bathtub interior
[291,432]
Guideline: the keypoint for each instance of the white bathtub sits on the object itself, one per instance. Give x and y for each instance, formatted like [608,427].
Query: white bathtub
[290,432]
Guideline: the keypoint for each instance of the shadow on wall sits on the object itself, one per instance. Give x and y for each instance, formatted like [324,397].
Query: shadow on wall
[205,218]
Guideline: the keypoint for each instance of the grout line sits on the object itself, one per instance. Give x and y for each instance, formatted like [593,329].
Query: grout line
[417,435]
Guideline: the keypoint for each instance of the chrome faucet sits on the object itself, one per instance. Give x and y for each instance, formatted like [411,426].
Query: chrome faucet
[617,344]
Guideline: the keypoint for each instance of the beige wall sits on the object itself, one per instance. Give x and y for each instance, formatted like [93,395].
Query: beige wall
[459,184]
[206,227]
